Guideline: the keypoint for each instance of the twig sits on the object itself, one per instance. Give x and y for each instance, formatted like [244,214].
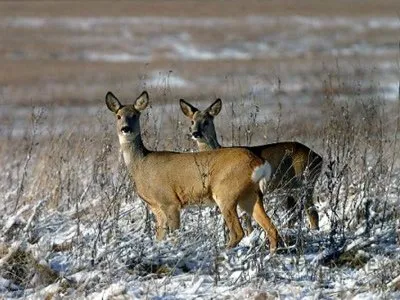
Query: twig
[394,282]
[34,215]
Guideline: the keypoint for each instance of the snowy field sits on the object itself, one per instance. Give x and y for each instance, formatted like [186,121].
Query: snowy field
[71,226]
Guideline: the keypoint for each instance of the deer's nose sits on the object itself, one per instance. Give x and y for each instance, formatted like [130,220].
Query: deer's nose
[126,129]
[196,134]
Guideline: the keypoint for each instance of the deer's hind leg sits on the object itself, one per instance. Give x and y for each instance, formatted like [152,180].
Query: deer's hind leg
[252,204]
[173,217]
[248,226]
[313,164]
[291,211]
[311,211]
[302,200]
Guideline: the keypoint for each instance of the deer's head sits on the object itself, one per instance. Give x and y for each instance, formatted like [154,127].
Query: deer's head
[202,127]
[127,116]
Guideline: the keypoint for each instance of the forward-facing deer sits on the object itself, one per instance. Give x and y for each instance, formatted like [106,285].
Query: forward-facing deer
[169,181]
[294,165]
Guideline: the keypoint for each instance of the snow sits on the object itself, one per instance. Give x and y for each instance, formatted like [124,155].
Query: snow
[302,36]
[189,264]
[160,79]
[115,57]
[192,263]
[77,23]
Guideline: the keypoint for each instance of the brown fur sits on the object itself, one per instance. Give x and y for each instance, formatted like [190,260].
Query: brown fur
[169,181]
[294,165]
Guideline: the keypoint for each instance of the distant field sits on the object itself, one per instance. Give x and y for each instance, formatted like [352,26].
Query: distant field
[63,52]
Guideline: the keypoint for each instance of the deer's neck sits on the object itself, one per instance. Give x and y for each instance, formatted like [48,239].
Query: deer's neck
[133,151]
[209,145]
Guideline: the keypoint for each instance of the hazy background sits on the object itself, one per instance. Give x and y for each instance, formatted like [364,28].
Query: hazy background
[281,55]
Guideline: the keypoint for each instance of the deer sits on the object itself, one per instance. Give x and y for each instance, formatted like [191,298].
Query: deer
[294,165]
[169,181]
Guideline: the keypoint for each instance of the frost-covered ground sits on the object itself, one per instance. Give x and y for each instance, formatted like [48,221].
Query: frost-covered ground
[108,253]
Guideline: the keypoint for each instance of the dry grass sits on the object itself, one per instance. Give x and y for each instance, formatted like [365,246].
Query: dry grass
[58,141]
[79,173]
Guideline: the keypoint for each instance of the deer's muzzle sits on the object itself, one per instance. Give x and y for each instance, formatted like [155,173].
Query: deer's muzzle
[196,134]
[126,130]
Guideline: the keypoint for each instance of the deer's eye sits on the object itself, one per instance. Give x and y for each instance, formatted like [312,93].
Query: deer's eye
[192,122]
[118,117]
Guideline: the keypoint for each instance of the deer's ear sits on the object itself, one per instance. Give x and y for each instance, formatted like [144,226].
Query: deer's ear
[112,102]
[215,108]
[187,109]
[142,101]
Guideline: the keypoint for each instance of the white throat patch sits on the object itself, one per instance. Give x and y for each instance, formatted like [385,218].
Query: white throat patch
[126,138]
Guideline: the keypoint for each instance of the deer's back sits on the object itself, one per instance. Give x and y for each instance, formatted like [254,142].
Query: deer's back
[192,177]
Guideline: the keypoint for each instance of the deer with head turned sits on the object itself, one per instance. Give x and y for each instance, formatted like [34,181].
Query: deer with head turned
[294,165]
[169,181]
